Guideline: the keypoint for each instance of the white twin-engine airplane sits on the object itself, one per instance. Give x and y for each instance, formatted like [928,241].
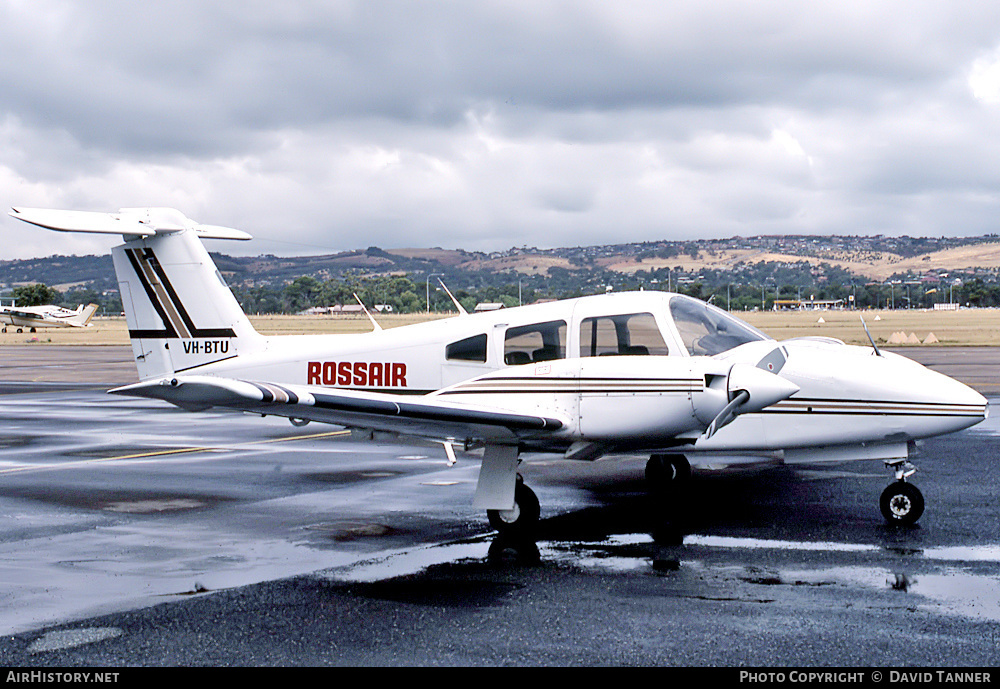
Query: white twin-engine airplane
[648,373]
[46,317]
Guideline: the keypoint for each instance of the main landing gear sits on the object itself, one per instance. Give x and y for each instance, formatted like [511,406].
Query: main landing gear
[901,503]
[665,471]
[523,518]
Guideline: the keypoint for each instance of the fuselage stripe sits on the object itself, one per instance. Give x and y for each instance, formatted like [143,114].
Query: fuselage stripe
[874,408]
[523,385]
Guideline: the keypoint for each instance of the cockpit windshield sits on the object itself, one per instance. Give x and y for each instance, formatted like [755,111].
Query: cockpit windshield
[706,330]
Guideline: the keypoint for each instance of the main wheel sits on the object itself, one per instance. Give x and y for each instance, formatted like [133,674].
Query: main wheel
[665,471]
[522,519]
[902,503]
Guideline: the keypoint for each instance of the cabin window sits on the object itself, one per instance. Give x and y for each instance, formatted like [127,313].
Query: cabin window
[537,342]
[706,330]
[470,349]
[633,334]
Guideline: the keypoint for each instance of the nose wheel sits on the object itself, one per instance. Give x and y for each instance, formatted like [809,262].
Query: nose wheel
[901,503]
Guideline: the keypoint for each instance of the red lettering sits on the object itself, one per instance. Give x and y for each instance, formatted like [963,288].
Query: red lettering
[360,373]
[328,373]
[357,374]
[312,376]
[344,373]
[375,374]
[398,375]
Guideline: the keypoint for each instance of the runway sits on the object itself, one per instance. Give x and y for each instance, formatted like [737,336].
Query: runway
[132,533]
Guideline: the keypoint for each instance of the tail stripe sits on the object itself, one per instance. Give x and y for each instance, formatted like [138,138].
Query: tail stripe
[157,294]
[164,299]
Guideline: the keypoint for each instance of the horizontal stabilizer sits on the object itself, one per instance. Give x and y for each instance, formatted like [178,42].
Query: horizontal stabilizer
[136,222]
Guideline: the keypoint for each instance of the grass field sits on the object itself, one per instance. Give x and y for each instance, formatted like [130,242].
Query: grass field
[975,327]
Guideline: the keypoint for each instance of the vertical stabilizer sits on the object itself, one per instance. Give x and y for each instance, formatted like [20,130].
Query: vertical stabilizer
[179,310]
[83,315]
[181,315]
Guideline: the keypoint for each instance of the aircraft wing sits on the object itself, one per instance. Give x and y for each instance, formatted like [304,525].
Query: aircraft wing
[423,417]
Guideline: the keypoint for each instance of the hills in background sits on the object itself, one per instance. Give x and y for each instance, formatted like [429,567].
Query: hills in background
[782,263]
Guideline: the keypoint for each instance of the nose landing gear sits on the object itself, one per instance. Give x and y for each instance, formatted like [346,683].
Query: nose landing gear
[901,503]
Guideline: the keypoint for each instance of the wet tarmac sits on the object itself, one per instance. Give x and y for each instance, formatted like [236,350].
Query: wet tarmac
[134,534]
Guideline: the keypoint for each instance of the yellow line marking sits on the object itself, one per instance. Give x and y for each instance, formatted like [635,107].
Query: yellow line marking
[160,453]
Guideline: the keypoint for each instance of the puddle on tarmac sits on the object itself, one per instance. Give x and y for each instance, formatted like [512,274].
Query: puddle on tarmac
[950,589]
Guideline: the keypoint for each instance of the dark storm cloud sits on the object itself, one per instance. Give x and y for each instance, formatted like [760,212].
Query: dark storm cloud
[490,124]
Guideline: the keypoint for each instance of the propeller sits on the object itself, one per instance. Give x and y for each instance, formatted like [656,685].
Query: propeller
[753,388]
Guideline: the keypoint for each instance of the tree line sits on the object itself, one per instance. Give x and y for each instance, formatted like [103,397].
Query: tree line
[410,294]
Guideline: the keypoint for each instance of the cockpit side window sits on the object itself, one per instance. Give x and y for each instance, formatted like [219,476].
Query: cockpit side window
[632,334]
[470,349]
[537,342]
[706,330]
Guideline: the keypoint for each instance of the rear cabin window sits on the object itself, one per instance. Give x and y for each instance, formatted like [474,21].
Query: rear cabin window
[537,342]
[632,334]
[470,349]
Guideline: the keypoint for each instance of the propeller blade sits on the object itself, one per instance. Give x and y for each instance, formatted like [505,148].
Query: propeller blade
[727,414]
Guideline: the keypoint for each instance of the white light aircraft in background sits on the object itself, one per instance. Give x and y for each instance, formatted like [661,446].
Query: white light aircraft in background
[648,373]
[46,317]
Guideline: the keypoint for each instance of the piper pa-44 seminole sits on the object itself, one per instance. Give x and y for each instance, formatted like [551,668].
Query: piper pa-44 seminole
[649,373]
[46,317]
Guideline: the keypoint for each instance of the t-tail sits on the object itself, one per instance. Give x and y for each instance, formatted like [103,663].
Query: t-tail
[181,315]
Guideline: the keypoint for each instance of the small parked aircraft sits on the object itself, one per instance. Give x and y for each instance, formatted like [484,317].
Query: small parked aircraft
[648,373]
[46,317]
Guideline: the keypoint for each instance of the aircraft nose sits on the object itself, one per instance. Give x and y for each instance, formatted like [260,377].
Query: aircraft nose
[963,395]
[952,398]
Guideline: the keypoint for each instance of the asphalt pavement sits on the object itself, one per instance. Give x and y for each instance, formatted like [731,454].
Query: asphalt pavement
[134,534]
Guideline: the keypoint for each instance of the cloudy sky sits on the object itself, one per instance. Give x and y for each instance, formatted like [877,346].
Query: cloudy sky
[331,125]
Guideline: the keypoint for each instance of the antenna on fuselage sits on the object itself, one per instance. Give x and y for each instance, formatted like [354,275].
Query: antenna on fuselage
[367,313]
[870,339]
[461,309]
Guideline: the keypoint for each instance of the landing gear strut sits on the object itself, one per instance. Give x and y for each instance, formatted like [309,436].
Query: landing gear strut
[523,518]
[901,503]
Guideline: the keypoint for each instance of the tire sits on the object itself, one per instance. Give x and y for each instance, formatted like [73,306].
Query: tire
[667,471]
[520,521]
[902,504]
